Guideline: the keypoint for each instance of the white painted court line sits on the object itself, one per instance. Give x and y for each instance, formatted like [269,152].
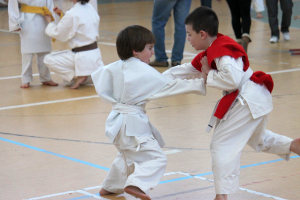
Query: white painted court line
[89,194]
[51,195]
[284,71]
[172,151]
[82,191]
[243,189]
[95,96]
[48,102]
[11,77]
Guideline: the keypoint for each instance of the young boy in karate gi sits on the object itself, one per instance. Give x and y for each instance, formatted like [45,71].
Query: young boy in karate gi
[242,114]
[128,84]
[31,27]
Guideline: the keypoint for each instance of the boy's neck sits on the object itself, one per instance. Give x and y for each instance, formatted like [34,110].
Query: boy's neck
[210,40]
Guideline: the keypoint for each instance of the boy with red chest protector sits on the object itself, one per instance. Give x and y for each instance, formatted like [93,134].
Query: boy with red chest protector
[241,115]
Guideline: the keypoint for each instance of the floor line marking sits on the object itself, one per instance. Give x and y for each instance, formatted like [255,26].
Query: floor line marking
[55,154]
[48,102]
[89,194]
[188,176]
[12,77]
[95,96]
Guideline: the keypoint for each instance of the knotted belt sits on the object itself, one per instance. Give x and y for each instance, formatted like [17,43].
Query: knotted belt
[248,74]
[86,48]
[38,10]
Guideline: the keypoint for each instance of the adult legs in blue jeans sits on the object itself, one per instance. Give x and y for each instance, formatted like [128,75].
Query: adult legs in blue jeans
[286,6]
[161,13]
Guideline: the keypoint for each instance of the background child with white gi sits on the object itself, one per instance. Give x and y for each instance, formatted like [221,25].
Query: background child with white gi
[128,84]
[242,114]
[79,27]
[31,27]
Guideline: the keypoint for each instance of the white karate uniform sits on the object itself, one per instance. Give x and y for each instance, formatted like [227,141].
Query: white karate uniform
[258,5]
[245,123]
[128,85]
[33,37]
[78,29]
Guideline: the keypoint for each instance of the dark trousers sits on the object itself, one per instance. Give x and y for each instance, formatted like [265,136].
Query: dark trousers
[206,3]
[286,7]
[240,9]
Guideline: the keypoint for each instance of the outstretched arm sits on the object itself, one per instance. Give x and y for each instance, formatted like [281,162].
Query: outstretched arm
[179,86]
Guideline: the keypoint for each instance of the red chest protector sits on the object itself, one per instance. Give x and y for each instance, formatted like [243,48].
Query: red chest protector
[225,46]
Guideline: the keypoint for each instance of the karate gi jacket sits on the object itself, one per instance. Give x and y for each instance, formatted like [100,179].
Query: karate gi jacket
[79,27]
[228,77]
[32,34]
[128,85]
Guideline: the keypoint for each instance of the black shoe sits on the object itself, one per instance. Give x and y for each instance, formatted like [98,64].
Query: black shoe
[175,63]
[159,64]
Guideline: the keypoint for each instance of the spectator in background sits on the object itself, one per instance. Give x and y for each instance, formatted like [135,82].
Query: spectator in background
[241,20]
[161,13]
[258,6]
[286,7]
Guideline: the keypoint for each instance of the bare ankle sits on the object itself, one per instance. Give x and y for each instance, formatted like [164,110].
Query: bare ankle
[221,197]
[137,192]
[104,192]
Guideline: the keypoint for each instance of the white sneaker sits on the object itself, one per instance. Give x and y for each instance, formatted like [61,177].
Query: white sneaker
[274,39]
[286,36]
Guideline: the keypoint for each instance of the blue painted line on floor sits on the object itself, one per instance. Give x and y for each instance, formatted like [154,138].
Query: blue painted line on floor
[107,169]
[55,154]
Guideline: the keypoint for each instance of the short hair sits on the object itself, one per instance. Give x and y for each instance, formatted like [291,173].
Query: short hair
[83,1]
[205,19]
[131,38]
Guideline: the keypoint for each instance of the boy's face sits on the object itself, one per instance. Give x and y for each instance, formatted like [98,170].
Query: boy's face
[146,54]
[195,39]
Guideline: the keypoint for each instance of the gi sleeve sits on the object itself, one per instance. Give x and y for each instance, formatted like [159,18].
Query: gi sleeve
[14,15]
[179,86]
[64,30]
[184,71]
[229,74]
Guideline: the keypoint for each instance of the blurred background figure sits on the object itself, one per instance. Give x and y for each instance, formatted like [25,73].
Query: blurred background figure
[161,13]
[286,7]
[258,6]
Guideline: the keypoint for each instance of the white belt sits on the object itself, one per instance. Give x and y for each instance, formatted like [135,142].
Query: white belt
[213,119]
[127,109]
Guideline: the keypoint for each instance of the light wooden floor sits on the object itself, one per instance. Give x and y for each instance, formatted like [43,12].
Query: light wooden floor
[52,142]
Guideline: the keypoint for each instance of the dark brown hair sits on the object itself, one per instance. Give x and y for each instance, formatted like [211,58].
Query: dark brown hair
[205,19]
[83,1]
[131,38]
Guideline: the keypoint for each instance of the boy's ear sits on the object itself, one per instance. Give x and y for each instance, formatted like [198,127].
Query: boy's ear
[203,34]
[134,53]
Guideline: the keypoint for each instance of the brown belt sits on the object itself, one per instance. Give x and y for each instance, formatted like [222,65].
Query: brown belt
[86,48]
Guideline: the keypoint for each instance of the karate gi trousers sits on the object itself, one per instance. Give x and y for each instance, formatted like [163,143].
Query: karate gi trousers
[27,67]
[229,139]
[69,65]
[141,166]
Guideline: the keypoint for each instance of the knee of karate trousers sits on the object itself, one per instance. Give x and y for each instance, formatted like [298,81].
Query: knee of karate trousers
[66,74]
[226,170]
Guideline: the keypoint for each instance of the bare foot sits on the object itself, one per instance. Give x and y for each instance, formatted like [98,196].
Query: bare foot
[295,146]
[24,85]
[137,192]
[50,83]
[78,81]
[259,15]
[104,192]
[221,197]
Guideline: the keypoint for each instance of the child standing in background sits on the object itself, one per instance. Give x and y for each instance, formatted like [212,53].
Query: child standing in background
[31,27]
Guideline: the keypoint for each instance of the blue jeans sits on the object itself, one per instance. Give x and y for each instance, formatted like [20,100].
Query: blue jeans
[286,7]
[161,13]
